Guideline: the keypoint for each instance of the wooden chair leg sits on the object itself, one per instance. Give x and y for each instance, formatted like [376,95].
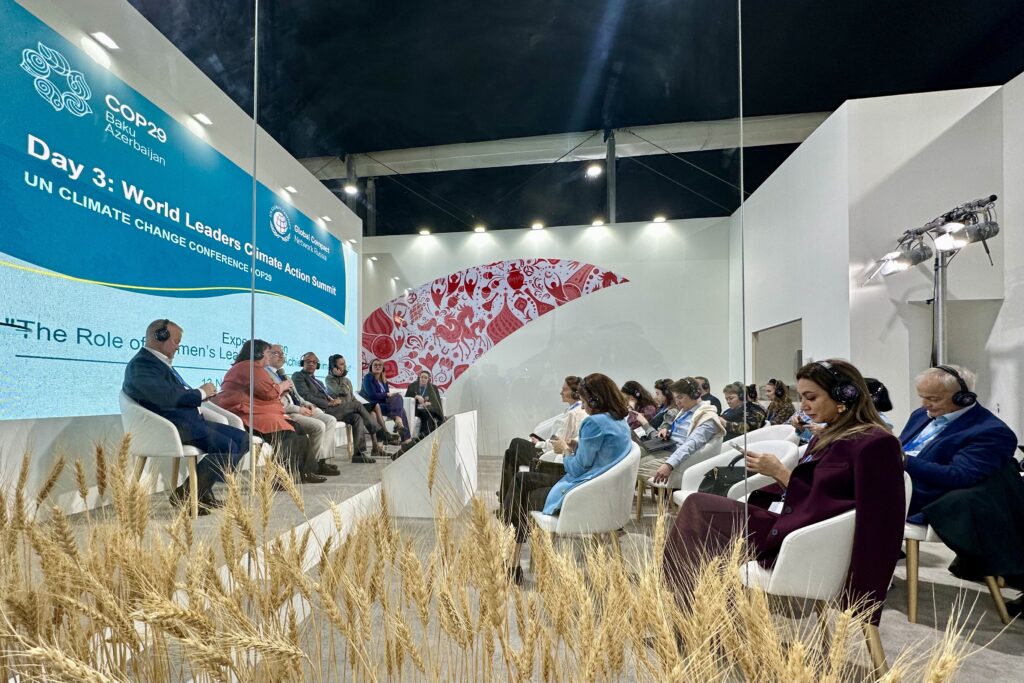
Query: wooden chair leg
[348,440]
[875,649]
[821,608]
[140,464]
[193,488]
[997,597]
[639,499]
[913,564]
[174,474]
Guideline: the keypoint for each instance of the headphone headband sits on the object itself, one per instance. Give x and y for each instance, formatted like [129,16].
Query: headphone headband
[965,397]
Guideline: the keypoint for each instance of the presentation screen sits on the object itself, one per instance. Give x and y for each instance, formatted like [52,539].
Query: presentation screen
[116,214]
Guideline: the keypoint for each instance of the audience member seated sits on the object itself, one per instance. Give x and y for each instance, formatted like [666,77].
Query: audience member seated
[344,407]
[428,403]
[640,403]
[265,415]
[376,391]
[741,416]
[693,427]
[705,393]
[667,410]
[310,421]
[565,431]
[880,397]
[951,441]
[780,409]
[604,439]
[151,381]
[853,464]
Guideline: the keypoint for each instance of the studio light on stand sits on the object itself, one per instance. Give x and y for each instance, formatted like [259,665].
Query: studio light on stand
[952,231]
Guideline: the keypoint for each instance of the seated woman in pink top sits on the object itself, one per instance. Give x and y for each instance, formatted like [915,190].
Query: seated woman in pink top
[265,415]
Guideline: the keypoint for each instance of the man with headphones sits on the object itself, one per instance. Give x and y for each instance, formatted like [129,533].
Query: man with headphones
[694,426]
[151,381]
[951,441]
[705,393]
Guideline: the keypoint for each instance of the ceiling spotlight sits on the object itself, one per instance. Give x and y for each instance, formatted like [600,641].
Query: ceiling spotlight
[480,228]
[659,219]
[351,190]
[203,119]
[373,258]
[326,219]
[537,226]
[594,170]
[105,40]
[289,189]
[395,279]
[597,222]
[424,231]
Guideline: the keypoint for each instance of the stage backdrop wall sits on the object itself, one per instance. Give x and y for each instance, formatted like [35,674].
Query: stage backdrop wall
[669,319]
[877,167]
[115,222]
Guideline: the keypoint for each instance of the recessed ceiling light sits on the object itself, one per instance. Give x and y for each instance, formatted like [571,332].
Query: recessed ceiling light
[290,189]
[594,170]
[351,189]
[424,231]
[373,258]
[479,228]
[95,51]
[352,241]
[326,219]
[659,219]
[105,40]
[537,226]
[203,119]
[597,222]
[395,279]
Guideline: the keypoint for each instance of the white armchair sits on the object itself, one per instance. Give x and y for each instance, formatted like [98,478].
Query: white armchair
[786,451]
[813,563]
[599,506]
[153,436]
[675,480]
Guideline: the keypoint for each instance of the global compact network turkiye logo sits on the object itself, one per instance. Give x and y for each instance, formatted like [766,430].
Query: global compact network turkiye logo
[279,223]
[56,82]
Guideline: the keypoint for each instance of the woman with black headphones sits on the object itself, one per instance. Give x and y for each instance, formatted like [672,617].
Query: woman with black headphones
[641,403]
[781,407]
[853,464]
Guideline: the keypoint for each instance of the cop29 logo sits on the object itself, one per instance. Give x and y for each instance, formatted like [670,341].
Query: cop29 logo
[56,82]
[279,223]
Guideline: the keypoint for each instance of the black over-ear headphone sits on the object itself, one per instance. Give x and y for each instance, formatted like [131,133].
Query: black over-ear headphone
[965,397]
[705,386]
[779,391]
[304,360]
[692,388]
[844,391]
[592,400]
[162,334]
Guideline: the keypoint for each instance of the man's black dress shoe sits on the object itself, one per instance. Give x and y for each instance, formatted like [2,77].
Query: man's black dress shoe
[180,499]
[208,500]
[310,478]
[327,469]
[361,459]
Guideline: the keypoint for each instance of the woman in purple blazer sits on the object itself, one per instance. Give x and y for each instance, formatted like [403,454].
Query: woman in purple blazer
[853,464]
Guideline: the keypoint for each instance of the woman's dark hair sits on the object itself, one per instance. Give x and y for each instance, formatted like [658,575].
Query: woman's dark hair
[333,360]
[573,382]
[780,393]
[637,391]
[687,386]
[430,375]
[879,395]
[665,387]
[860,414]
[253,349]
[752,393]
[602,396]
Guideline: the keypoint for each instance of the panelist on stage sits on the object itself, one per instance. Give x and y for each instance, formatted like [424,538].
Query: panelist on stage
[151,381]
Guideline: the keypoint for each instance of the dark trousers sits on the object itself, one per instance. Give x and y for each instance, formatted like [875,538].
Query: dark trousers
[528,492]
[292,450]
[705,526]
[519,452]
[224,446]
[428,421]
[393,406]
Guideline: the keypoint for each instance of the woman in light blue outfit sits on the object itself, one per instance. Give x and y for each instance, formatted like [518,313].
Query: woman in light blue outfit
[603,441]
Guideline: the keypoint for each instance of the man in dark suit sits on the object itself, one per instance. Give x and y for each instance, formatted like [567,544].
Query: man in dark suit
[152,382]
[705,393]
[951,441]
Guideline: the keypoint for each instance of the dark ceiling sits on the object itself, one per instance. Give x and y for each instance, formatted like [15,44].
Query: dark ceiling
[340,76]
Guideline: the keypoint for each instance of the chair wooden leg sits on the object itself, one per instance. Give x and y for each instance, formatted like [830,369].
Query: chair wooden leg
[913,564]
[639,499]
[174,474]
[997,597]
[614,537]
[193,487]
[140,464]
[875,649]
[821,608]
[348,440]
